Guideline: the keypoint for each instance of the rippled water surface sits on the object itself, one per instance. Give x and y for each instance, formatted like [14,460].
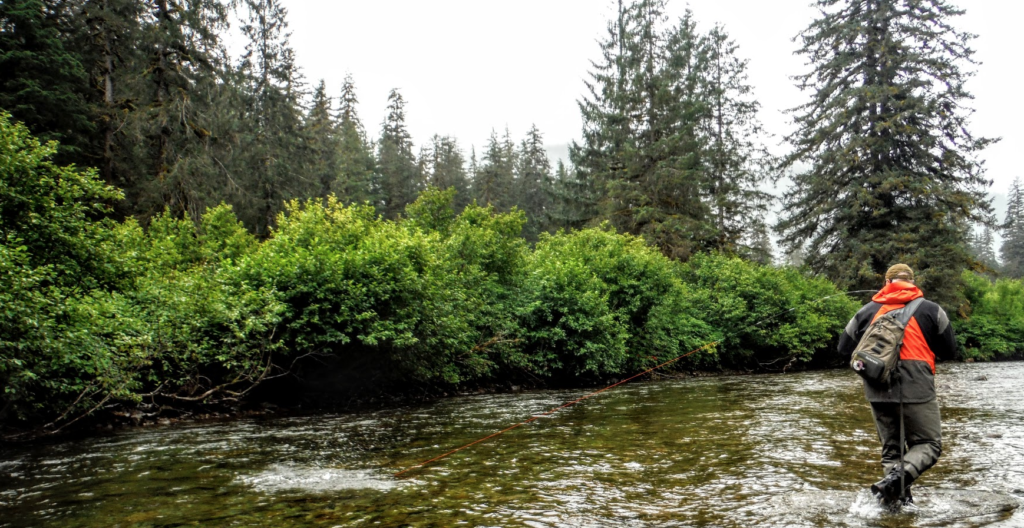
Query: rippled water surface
[774,450]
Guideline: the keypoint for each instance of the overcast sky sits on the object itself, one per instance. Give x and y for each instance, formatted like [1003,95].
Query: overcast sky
[466,67]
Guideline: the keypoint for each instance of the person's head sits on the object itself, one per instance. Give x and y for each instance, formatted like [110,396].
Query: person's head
[899,272]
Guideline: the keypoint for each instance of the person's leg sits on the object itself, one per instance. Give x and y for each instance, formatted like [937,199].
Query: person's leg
[923,427]
[887,423]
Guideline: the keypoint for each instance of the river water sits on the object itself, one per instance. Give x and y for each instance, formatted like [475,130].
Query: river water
[769,450]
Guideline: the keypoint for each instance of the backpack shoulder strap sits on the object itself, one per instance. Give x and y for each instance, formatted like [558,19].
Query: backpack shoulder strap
[904,314]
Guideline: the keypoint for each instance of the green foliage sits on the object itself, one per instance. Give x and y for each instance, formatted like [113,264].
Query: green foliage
[766,314]
[104,315]
[891,168]
[598,303]
[43,81]
[51,252]
[994,328]
[49,210]
[400,180]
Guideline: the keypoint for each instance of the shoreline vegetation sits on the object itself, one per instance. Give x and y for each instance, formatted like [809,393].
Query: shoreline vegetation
[107,322]
[240,242]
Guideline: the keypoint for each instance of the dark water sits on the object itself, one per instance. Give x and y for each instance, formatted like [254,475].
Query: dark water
[778,450]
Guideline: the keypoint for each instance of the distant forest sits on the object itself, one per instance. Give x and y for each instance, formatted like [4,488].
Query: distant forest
[145,92]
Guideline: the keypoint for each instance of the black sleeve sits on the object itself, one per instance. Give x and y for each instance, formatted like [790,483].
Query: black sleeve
[855,329]
[939,333]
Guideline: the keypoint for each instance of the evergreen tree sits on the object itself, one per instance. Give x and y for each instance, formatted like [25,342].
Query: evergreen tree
[323,147]
[736,166]
[1012,250]
[272,144]
[758,246]
[494,178]
[115,57]
[574,200]
[165,138]
[640,141]
[892,171]
[982,247]
[43,81]
[356,181]
[444,167]
[399,175]
[533,183]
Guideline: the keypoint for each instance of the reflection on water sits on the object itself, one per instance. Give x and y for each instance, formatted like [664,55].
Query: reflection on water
[776,450]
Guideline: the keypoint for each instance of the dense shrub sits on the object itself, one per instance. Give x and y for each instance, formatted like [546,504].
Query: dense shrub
[768,316]
[52,252]
[994,328]
[407,300]
[600,303]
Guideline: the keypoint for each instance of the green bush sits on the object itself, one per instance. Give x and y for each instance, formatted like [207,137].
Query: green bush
[53,251]
[769,317]
[402,298]
[994,328]
[597,303]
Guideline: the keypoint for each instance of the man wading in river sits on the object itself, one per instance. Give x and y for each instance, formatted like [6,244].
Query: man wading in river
[927,335]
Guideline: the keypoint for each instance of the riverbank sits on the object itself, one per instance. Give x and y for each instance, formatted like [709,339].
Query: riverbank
[313,405]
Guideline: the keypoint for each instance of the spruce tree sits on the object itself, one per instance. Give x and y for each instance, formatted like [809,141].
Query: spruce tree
[356,181]
[400,180]
[44,82]
[322,148]
[445,168]
[272,141]
[532,190]
[736,163]
[494,178]
[892,174]
[574,200]
[641,146]
[165,138]
[1012,249]
[112,44]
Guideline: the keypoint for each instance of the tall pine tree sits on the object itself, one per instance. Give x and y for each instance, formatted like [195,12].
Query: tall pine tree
[44,82]
[322,148]
[641,146]
[272,143]
[399,174]
[892,174]
[1012,249]
[444,167]
[164,138]
[736,163]
[494,178]
[356,181]
[533,184]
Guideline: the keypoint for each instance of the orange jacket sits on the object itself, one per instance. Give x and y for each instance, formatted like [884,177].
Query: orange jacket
[928,335]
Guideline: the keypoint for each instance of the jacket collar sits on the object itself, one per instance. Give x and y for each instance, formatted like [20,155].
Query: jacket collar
[897,293]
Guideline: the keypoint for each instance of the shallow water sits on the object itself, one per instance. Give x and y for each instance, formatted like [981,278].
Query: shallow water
[773,450]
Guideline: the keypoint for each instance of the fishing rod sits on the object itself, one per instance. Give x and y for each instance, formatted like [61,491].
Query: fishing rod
[616,384]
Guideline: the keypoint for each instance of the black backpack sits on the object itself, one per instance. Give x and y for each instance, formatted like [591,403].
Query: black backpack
[878,352]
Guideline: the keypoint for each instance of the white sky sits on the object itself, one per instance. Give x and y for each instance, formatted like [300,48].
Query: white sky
[466,67]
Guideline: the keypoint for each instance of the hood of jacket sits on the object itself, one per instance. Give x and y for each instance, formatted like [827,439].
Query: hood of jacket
[897,293]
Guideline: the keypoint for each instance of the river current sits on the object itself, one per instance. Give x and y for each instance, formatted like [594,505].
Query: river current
[767,450]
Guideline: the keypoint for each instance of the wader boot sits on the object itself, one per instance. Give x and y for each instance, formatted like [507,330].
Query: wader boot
[923,445]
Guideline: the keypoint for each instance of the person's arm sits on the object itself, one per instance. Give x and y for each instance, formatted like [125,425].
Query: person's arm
[851,335]
[947,347]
